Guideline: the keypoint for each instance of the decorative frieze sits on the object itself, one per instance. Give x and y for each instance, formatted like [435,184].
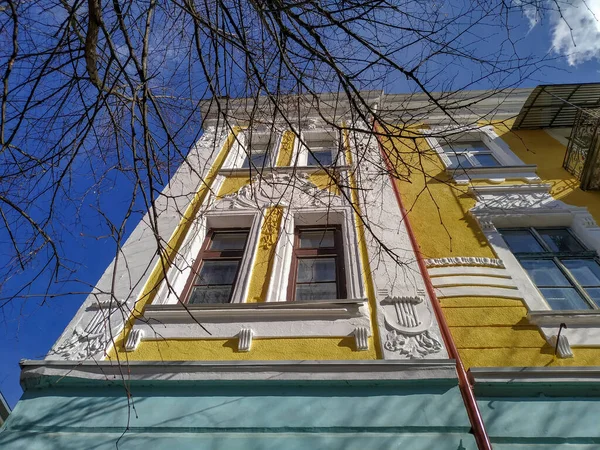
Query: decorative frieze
[93,340]
[464,261]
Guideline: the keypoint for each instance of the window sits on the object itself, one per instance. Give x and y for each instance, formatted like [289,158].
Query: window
[261,152]
[565,272]
[323,149]
[473,153]
[317,271]
[215,271]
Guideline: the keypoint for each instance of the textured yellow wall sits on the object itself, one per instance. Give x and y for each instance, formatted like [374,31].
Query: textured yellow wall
[286,149]
[437,208]
[233,184]
[487,331]
[265,255]
[262,349]
[538,147]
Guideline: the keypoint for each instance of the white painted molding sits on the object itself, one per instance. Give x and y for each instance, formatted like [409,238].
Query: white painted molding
[478,291]
[149,371]
[245,340]
[563,349]
[361,336]
[309,170]
[555,318]
[327,318]
[134,339]
[475,280]
[464,261]
[535,374]
[467,270]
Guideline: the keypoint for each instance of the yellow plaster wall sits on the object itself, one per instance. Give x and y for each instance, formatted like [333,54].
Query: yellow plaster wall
[265,255]
[487,331]
[262,349]
[286,149]
[233,184]
[538,147]
[493,332]
[437,208]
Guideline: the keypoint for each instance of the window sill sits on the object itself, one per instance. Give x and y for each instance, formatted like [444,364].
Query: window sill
[340,318]
[229,312]
[555,318]
[277,169]
[499,174]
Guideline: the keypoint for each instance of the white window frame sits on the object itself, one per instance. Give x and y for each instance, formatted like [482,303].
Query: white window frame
[278,284]
[336,149]
[238,153]
[542,211]
[180,270]
[497,147]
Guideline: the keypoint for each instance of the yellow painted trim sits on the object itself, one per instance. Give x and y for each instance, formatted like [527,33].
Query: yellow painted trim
[363,253]
[162,267]
[265,256]
[286,149]
[232,184]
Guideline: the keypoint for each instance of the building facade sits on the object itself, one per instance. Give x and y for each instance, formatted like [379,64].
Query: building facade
[277,316]
[514,260]
[317,286]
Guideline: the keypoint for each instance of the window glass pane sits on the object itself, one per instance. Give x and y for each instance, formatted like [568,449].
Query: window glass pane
[585,271]
[316,269]
[560,240]
[465,146]
[320,157]
[594,293]
[317,239]
[544,272]
[486,160]
[258,160]
[564,298]
[210,294]
[521,241]
[228,241]
[217,272]
[316,291]
[459,161]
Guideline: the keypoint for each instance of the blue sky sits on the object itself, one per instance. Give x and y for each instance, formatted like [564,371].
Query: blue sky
[28,329]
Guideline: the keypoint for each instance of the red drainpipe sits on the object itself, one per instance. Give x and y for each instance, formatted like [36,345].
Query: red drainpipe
[466,389]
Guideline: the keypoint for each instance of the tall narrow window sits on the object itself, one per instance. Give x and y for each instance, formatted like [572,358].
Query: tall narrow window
[317,271]
[565,272]
[261,152]
[464,154]
[322,150]
[216,269]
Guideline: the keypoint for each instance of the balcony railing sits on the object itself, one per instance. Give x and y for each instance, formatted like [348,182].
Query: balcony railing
[583,156]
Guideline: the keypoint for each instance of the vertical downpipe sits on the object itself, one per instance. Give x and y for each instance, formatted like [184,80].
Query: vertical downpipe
[466,389]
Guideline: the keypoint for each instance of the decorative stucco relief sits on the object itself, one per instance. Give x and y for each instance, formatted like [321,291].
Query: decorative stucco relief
[464,261]
[93,340]
[277,189]
[408,321]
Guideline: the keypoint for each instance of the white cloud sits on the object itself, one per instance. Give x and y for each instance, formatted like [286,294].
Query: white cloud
[576,34]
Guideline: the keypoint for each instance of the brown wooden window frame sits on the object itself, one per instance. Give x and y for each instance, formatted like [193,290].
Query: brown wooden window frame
[205,254]
[337,251]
